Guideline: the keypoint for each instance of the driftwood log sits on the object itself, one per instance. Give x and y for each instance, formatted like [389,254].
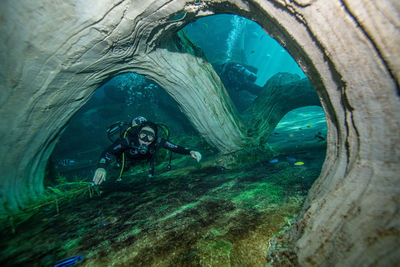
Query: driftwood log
[55,54]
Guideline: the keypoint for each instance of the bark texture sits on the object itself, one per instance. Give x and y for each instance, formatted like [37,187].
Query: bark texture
[281,94]
[54,55]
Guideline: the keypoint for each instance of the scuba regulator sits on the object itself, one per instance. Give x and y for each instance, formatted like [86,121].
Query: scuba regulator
[142,149]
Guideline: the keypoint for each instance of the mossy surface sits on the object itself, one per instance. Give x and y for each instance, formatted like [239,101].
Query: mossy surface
[193,215]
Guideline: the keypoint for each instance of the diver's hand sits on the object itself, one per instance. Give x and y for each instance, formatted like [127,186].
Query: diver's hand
[99,176]
[196,155]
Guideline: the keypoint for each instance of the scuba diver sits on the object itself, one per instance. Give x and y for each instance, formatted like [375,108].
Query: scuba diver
[237,77]
[139,142]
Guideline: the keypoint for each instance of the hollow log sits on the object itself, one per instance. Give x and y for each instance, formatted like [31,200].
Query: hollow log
[54,55]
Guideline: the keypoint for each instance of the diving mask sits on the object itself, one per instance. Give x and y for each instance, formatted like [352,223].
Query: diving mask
[146,136]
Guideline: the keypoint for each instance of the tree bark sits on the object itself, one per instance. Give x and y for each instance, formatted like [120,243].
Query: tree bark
[56,54]
[281,94]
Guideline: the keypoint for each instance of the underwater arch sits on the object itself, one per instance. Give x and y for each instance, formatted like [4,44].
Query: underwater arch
[119,100]
[240,70]
[354,71]
[121,97]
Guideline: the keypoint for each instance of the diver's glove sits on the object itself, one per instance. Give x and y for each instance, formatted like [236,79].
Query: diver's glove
[196,155]
[99,176]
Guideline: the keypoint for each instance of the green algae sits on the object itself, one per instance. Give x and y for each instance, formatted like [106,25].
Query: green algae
[213,233]
[221,247]
[72,243]
[189,216]
[164,207]
[180,210]
[268,191]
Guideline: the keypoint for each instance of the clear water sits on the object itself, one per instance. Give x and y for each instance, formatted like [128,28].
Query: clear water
[195,214]
[243,41]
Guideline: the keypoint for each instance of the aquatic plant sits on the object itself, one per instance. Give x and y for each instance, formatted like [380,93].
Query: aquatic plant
[54,197]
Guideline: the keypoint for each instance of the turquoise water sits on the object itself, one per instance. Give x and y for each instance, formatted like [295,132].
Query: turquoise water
[195,214]
[238,39]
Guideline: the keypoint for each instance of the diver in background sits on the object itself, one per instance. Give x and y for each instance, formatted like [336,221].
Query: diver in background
[138,144]
[236,77]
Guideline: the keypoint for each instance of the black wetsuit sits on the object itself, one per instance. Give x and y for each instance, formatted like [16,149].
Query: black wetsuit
[129,146]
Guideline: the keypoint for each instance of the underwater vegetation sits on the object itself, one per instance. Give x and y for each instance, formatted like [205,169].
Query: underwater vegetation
[192,215]
[223,211]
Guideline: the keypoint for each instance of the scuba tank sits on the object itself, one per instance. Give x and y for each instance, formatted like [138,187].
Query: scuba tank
[123,127]
[119,128]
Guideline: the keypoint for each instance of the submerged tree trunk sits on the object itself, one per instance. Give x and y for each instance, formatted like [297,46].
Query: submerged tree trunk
[45,82]
[281,94]
[56,54]
[55,85]
[183,71]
